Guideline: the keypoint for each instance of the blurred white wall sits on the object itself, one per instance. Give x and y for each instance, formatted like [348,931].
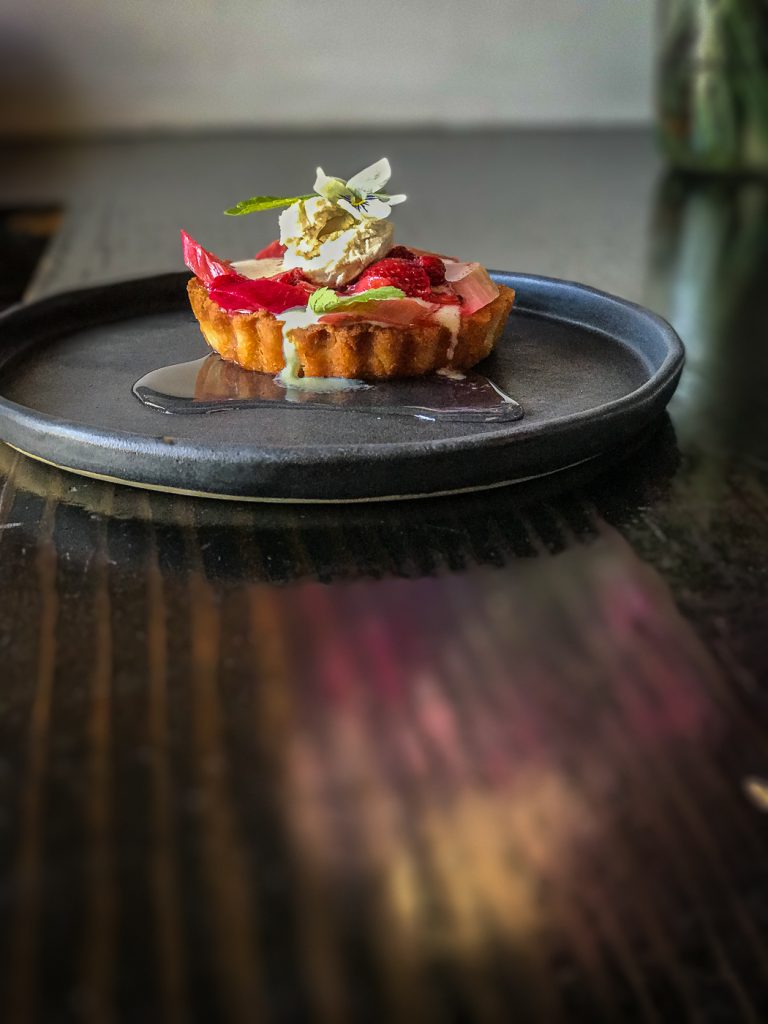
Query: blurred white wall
[95,65]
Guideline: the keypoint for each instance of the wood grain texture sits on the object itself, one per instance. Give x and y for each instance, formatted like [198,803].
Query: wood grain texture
[489,758]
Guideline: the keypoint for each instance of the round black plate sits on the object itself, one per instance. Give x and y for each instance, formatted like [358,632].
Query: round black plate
[589,369]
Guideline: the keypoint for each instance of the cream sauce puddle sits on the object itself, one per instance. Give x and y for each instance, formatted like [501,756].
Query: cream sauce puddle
[211,385]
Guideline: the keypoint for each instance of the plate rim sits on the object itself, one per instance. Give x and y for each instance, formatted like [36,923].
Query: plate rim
[665,376]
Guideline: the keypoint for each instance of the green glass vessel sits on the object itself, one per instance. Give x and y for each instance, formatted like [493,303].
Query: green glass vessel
[712,84]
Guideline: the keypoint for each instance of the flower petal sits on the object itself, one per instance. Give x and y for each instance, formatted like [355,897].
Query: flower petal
[346,205]
[320,179]
[328,187]
[372,178]
[375,209]
[394,200]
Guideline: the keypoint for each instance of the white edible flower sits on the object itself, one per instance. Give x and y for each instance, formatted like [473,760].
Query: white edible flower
[361,195]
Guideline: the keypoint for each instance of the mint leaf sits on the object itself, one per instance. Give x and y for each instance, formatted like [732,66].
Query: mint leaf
[326,300]
[256,203]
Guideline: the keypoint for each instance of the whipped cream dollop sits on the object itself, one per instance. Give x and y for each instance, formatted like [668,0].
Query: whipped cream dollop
[328,244]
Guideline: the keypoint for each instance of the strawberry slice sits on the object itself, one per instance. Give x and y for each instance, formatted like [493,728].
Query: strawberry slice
[431,262]
[272,251]
[295,278]
[237,294]
[406,275]
[202,263]
[434,267]
[401,252]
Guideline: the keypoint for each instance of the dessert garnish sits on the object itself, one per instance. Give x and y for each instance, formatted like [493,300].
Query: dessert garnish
[334,301]
[362,195]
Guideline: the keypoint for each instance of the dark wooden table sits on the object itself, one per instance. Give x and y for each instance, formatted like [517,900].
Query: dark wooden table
[498,758]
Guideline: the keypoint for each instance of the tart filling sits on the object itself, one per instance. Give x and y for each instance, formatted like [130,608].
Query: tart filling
[334,298]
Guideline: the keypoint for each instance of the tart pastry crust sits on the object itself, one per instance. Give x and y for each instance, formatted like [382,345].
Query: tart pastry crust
[357,349]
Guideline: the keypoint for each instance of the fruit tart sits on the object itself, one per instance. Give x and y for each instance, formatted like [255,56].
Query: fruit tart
[334,297]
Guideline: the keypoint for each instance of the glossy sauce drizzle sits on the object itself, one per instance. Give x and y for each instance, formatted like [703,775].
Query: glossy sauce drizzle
[211,385]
